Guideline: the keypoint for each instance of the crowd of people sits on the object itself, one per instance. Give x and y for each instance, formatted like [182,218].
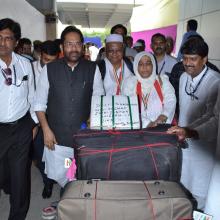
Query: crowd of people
[45,97]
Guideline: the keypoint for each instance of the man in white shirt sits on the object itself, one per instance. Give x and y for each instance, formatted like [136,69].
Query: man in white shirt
[197,94]
[16,95]
[207,129]
[116,69]
[49,52]
[165,62]
[24,48]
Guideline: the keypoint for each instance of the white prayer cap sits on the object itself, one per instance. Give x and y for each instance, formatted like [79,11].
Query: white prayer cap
[138,44]
[114,38]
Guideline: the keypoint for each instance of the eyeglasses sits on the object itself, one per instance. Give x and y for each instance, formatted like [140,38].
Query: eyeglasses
[73,43]
[7,74]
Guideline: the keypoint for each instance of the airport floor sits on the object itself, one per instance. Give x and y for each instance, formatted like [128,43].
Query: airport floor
[37,202]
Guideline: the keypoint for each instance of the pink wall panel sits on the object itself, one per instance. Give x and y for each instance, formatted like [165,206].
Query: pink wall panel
[146,35]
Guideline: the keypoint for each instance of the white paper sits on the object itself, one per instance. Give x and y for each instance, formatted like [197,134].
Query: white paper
[122,117]
[201,216]
[55,163]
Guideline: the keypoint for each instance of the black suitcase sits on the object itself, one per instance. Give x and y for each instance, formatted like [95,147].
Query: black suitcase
[148,154]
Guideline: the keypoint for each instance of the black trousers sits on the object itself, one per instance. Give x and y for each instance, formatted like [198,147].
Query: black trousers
[37,154]
[15,140]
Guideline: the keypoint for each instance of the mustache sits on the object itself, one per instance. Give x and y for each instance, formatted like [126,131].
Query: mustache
[74,53]
[189,66]
[159,48]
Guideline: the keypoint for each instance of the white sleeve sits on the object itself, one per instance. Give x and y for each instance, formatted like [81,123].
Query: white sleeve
[41,94]
[169,99]
[129,86]
[98,88]
[31,91]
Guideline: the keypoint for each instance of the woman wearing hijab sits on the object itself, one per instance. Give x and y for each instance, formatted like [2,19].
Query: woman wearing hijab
[155,93]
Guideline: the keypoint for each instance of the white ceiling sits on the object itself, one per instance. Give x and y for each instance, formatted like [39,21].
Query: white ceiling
[95,14]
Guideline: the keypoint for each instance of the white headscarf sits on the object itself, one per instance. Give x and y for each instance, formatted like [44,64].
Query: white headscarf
[146,83]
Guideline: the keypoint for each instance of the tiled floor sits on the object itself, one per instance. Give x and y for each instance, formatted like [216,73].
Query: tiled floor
[37,202]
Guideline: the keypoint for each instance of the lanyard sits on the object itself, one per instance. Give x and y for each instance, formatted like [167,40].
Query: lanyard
[161,68]
[145,98]
[119,78]
[5,75]
[142,98]
[192,94]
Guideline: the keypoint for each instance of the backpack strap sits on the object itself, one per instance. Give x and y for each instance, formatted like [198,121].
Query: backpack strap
[129,64]
[102,68]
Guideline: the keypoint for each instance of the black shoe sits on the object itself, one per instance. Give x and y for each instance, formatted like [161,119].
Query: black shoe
[6,189]
[47,191]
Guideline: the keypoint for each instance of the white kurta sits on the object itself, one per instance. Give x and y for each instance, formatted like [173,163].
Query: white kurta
[212,124]
[37,70]
[153,108]
[110,85]
[198,158]
[154,105]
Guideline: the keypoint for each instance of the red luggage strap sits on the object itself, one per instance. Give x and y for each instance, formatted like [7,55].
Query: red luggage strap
[95,205]
[117,132]
[151,202]
[87,152]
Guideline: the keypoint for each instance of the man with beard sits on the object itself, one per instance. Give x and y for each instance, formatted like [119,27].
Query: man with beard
[64,92]
[165,62]
[197,94]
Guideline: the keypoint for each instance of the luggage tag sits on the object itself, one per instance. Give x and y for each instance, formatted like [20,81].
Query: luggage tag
[70,164]
[201,216]
[67,163]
